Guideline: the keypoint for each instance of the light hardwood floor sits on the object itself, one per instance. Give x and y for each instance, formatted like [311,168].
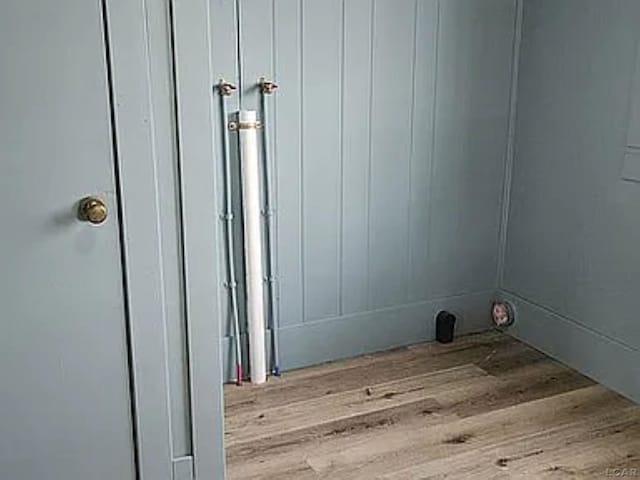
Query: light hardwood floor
[485,406]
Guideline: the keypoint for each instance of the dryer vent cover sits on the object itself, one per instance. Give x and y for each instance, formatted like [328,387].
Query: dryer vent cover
[502,314]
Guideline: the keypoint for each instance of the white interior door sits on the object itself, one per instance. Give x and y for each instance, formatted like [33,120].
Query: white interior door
[65,408]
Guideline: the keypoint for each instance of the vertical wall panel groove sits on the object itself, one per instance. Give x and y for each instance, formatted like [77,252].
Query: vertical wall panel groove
[411,149]
[434,129]
[302,192]
[423,126]
[355,152]
[340,211]
[287,135]
[275,199]
[372,57]
[237,22]
[390,151]
[321,154]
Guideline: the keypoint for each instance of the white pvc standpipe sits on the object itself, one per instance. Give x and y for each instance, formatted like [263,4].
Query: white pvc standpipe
[253,243]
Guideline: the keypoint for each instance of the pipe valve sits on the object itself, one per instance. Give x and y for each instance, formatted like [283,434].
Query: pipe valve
[226,88]
[267,87]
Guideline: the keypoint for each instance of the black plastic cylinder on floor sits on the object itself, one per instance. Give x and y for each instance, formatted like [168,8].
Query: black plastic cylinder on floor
[445,326]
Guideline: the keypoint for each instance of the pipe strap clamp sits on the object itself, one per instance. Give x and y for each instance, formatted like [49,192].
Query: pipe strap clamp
[245,125]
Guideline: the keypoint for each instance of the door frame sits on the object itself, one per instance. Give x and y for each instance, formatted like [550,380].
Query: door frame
[202,235]
[135,170]
[128,64]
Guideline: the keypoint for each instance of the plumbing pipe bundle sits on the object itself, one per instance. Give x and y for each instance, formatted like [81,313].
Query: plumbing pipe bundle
[267,88]
[225,89]
[247,124]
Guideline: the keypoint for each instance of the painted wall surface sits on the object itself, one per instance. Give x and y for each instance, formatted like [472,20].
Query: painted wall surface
[389,138]
[572,263]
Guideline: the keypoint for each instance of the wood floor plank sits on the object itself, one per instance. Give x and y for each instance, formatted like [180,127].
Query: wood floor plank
[359,373]
[529,382]
[339,406]
[290,445]
[413,446]
[574,447]
[431,411]
[279,453]
[490,338]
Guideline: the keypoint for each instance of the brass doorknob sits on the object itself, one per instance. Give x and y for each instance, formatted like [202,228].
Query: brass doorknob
[93,210]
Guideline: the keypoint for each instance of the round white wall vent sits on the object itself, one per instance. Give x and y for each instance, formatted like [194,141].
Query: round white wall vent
[502,314]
